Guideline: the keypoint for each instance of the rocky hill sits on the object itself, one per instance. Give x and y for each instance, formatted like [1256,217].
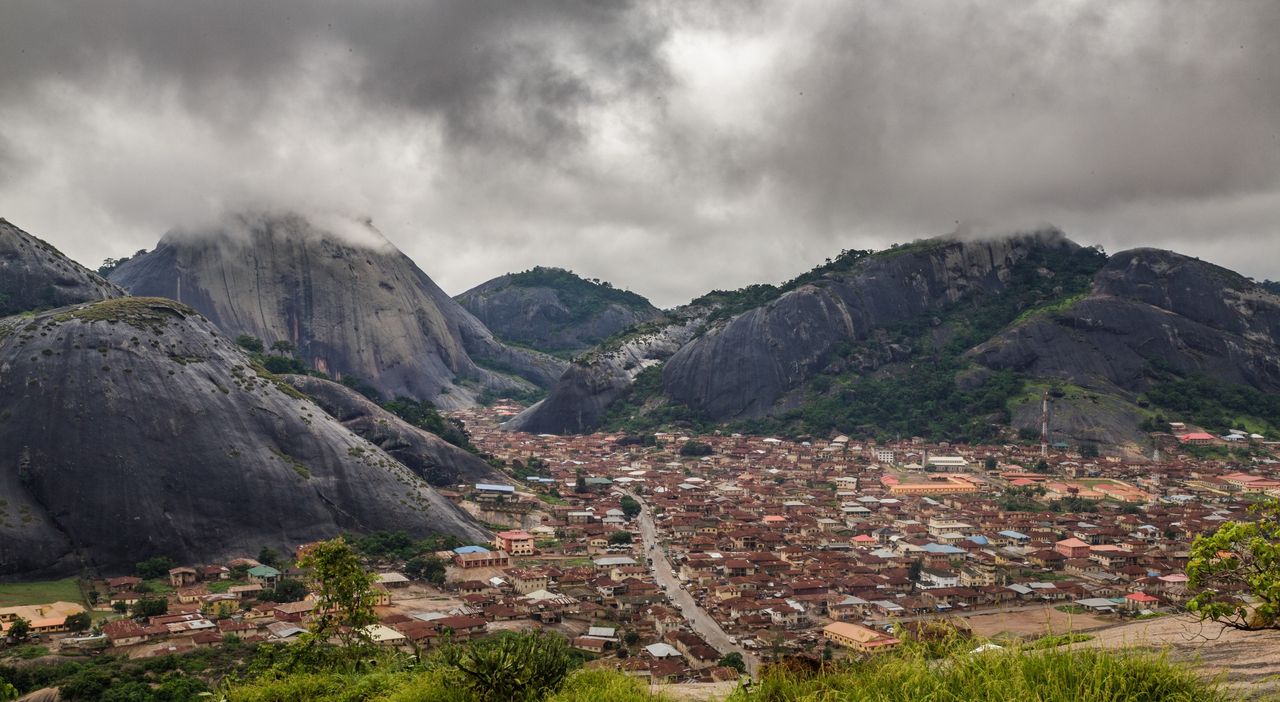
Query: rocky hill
[36,276]
[554,310]
[349,301]
[132,427]
[432,458]
[943,338]
[1151,320]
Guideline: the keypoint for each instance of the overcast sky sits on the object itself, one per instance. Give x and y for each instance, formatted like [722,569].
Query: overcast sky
[670,148]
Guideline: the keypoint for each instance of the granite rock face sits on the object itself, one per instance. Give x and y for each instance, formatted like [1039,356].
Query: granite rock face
[1145,307]
[432,458]
[133,428]
[349,301]
[554,310]
[580,400]
[1150,305]
[743,367]
[36,276]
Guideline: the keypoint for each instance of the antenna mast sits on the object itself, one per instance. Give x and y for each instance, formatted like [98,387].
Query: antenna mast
[1044,424]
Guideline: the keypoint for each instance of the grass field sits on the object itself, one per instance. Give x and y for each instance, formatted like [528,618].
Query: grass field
[13,594]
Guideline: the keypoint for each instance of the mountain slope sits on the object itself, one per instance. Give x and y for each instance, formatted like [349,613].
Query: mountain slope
[1152,317]
[744,354]
[345,297]
[744,368]
[554,310]
[132,427]
[36,276]
[949,339]
[432,458]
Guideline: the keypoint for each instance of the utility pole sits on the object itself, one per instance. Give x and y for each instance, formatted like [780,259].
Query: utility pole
[1044,425]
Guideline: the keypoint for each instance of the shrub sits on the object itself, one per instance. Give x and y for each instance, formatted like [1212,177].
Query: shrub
[511,667]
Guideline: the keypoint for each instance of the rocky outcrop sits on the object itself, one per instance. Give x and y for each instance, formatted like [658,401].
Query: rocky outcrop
[1148,306]
[432,458]
[742,369]
[581,398]
[349,301]
[36,276]
[132,428]
[554,310]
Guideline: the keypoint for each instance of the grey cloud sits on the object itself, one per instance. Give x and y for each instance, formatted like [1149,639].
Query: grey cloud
[670,147]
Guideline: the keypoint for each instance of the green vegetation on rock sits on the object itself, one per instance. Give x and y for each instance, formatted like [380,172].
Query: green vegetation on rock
[1210,403]
[583,297]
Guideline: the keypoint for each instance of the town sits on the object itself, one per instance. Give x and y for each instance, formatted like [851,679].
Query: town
[681,558]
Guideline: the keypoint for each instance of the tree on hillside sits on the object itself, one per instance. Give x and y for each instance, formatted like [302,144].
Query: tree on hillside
[249,343]
[345,594]
[268,556]
[1239,558]
[157,567]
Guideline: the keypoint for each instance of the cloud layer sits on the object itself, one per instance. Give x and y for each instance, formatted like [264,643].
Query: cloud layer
[670,148]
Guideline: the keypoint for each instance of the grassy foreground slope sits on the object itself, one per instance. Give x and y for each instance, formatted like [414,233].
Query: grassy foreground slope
[1007,675]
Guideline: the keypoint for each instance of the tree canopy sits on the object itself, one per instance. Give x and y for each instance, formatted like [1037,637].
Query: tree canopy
[1239,559]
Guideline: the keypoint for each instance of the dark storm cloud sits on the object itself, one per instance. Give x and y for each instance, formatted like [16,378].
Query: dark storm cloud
[460,61]
[669,147]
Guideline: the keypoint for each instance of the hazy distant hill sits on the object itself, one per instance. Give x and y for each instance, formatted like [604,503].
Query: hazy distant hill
[349,301]
[949,339]
[554,310]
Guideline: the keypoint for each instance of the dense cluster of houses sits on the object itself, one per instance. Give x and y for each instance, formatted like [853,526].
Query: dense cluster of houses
[779,541]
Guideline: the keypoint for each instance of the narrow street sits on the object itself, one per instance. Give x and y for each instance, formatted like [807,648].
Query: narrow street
[701,622]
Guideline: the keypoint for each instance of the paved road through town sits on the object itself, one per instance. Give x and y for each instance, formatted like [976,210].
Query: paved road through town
[701,622]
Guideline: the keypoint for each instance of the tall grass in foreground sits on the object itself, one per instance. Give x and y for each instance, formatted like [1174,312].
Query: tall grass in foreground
[939,666]
[427,686]
[1010,675]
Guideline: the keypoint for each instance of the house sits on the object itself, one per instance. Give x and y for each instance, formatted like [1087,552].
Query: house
[383,635]
[43,618]
[245,591]
[393,580]
[590,644]
[516,542]
[493,492]
[124,632]
[1196,438]
[1072,548]
[293,611]
[858,637]
[264,575]
[182,577]
[1140,600]
[480,557]
[462,627]
[527,580]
